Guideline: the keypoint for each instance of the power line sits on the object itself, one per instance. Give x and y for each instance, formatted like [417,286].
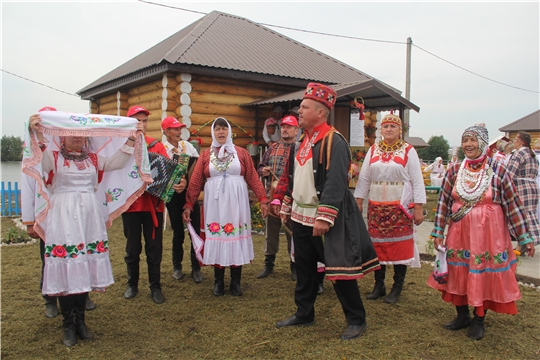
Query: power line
[358,38]
[36,82]
[472,72]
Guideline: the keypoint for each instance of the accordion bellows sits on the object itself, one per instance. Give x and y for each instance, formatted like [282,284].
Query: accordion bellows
[165,173]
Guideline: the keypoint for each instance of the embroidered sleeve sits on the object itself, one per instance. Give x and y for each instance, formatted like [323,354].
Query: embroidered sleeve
[251,176]
[286,206]
[327,213]
[445,202]
[512,206]
[197,179]
[415,173]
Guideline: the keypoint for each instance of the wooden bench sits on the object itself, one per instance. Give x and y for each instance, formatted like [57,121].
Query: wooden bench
[434,188]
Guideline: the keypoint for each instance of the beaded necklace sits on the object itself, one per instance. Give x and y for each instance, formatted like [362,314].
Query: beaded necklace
[222,164]
[76,157]
[470,186]
[388,151]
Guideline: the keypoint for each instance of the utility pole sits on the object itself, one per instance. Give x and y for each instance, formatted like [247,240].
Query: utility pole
[407,85]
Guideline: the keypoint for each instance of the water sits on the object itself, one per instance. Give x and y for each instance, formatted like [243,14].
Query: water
[11,171]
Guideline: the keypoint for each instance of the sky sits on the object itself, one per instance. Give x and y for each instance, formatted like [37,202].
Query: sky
[68,45]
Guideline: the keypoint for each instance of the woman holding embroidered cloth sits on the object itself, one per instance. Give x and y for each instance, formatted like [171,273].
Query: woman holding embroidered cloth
[481,204]
[80,195]
[225,171]
[392,176]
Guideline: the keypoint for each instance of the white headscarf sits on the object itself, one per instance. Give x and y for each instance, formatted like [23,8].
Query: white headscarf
[228,146]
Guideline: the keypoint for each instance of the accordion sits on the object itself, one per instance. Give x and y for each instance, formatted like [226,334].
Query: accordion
[165,173]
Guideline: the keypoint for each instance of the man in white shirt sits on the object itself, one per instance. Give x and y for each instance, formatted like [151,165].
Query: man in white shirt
[174,145]
[274,120]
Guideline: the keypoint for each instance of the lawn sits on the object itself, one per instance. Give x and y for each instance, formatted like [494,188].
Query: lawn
[193,324]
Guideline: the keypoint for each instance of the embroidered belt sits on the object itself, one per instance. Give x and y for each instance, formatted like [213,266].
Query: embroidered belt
[388,183]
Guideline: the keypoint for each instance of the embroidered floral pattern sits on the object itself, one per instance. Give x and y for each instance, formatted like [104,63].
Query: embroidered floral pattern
[112,195]
[228,229]
[83,120]
[214,228]
[64,251]
[135,173]
[485,257]
[97,247]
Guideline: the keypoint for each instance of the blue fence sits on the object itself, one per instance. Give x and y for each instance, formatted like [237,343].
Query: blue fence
[11,200]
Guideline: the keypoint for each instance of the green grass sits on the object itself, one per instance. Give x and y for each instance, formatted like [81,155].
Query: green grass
[193,324]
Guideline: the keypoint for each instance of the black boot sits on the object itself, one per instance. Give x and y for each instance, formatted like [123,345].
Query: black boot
[293,271]
[399,279]
[67,308]
[236,276]
[80,325]
[462,320]
[477,329]
[133,281]
[268,266]
[51,309]
[379,289]
[219,282]
[154,277]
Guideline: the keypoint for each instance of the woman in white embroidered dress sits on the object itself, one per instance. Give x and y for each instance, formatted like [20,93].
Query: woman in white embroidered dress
[437,172]
[225,170]
[392,176]
[76,243]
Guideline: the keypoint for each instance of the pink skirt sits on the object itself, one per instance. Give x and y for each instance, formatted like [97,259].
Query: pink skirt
[481,260]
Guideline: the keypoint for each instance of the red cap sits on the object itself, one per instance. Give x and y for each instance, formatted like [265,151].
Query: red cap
[321,93]
[47,108]
[289,120]
[137,109]
[171,122]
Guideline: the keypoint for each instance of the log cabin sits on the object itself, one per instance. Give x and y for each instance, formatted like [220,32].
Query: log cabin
[226,65]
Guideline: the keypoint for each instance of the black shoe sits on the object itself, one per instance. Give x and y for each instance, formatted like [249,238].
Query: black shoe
[70,337]
[353,331]
[393,297]
[51,310]
[197,276]
[293,321]
[235,289]
[293,274]
[219,289]
[157,296]
[378,291]
[477,329]
[458,323]
[177,274]
[266,271]
[131,292]
[83,332]
[90,305]
[320,290]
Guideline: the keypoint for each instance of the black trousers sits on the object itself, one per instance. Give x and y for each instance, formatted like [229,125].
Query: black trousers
[133,222]
[309,249]
[176,208]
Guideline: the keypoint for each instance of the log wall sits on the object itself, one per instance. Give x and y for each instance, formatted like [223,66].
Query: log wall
[195,100]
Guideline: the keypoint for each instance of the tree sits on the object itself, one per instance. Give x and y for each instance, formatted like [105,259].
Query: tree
[12,148]
[460,153]
[438,146]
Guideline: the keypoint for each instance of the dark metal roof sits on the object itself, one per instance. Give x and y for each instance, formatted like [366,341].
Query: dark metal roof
[530,122]
[377,96]
[223,41]
[416,142]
